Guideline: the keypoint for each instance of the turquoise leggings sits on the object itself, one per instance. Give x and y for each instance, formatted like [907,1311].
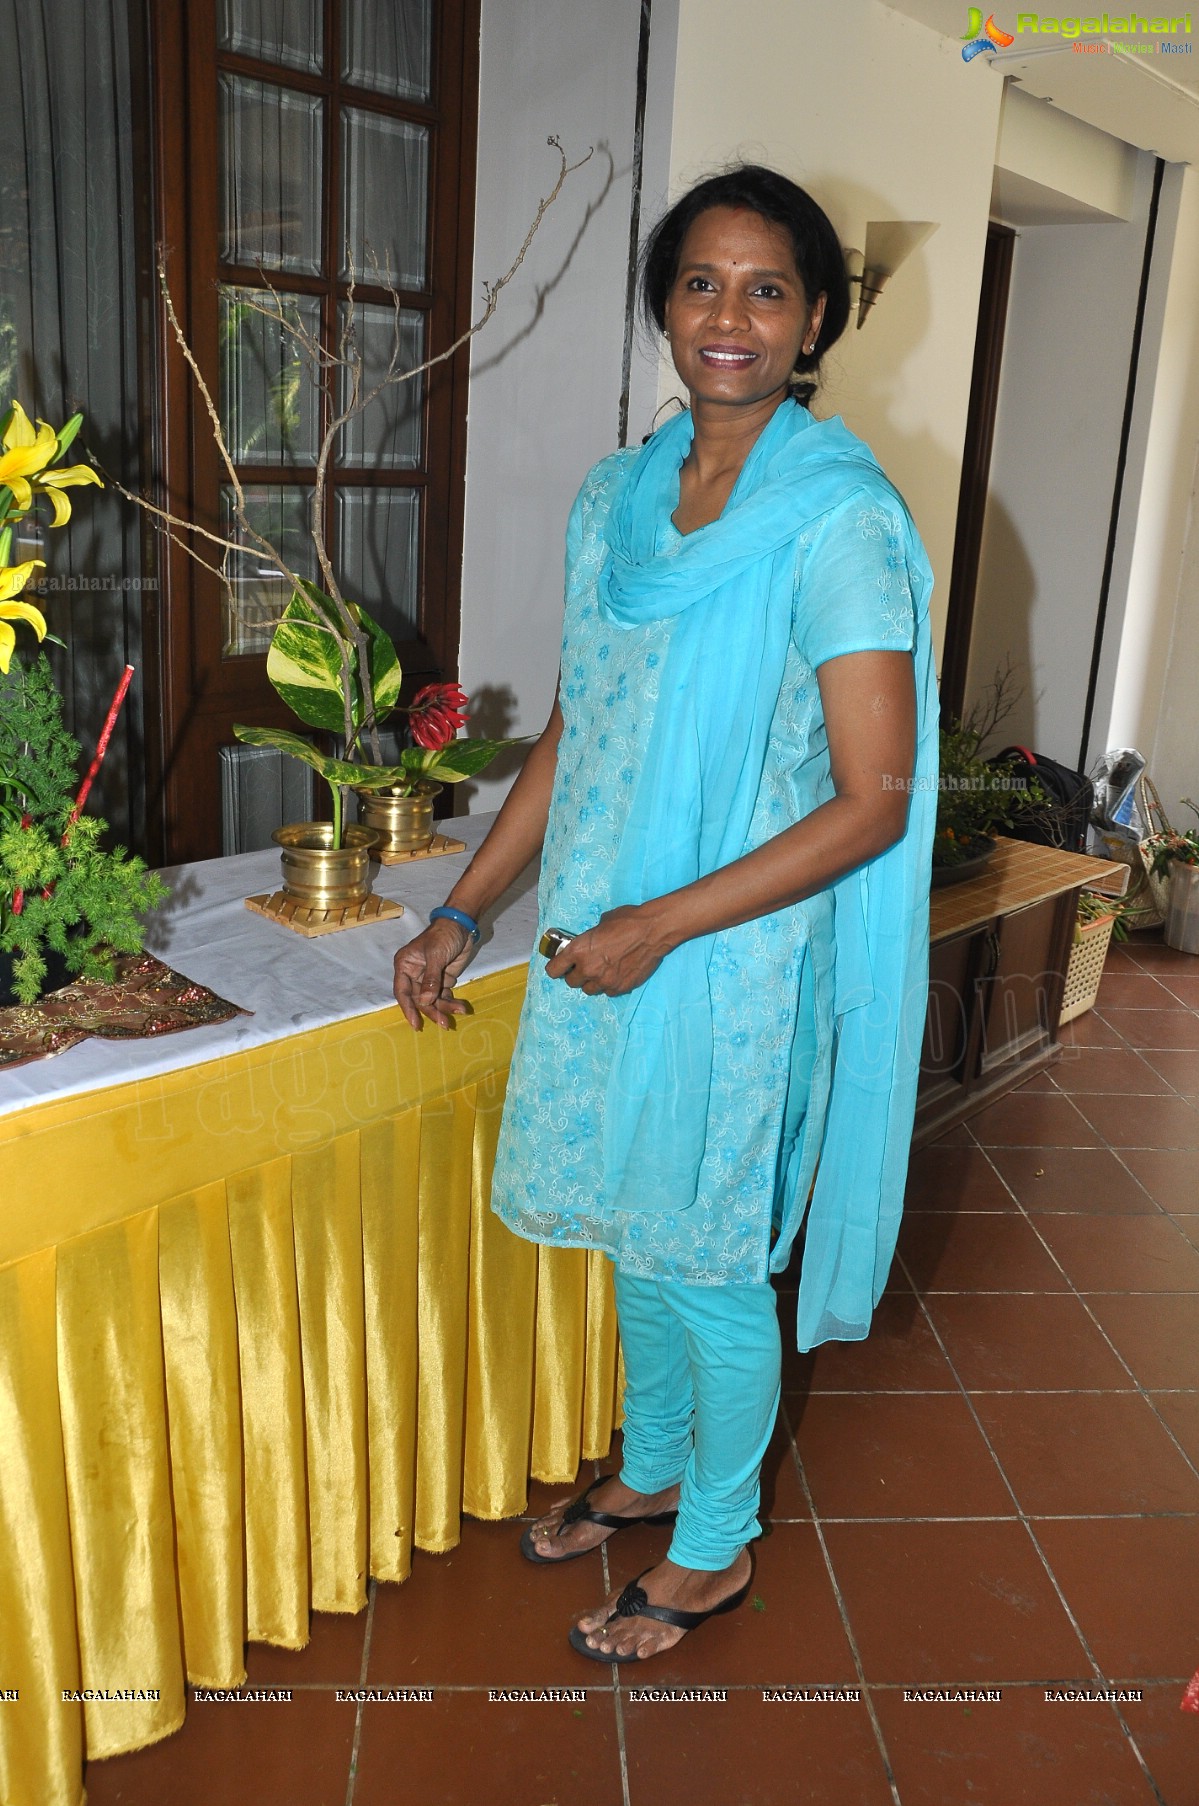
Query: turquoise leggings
[703,1367]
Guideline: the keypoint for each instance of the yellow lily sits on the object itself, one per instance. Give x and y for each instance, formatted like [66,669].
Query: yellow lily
[12,582]
[14,577]
[26,454]
[52,481]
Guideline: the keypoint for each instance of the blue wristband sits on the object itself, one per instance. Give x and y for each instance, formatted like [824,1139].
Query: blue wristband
[443,913]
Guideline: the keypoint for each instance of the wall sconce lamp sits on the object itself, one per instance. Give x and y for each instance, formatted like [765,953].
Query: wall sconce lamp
[889,242]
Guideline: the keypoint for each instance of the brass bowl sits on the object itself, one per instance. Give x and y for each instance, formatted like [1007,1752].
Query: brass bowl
[320,876]
[404,824]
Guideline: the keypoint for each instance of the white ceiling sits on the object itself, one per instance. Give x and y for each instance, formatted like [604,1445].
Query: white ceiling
[1152,102]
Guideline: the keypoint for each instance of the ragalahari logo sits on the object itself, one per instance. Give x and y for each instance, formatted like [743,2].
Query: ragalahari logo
[980,37]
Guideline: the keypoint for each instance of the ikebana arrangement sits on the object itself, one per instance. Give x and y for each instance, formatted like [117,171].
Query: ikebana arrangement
[326,865]
[975,798]
[330,662]
[68,907]
[328,685]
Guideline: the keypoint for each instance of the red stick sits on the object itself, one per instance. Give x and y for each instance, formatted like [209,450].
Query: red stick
[18,896]
[110,721]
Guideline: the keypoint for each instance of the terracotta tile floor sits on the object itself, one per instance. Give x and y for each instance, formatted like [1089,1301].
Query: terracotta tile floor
[998,1490]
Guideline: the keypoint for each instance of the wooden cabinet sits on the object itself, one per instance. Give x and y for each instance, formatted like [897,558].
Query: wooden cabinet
[1000,945]
[1023,998]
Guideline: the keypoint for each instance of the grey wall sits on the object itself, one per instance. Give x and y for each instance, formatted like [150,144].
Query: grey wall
[546,373]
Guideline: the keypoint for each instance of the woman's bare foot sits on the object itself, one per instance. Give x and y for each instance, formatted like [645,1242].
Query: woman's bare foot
[613,1497]
[683,1589]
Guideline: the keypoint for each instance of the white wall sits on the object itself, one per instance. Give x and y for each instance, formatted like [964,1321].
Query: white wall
[1071,315]
[1174,749]
[1152,668]
[1046,149]
[546,372]
[881,119]
[879,116]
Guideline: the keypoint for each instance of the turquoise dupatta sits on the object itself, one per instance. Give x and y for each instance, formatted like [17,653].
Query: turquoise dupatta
[730,589]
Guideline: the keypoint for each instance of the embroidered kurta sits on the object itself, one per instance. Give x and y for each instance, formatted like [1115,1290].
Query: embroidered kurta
[765,1116]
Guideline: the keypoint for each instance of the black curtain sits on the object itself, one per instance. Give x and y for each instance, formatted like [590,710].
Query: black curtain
[69,340]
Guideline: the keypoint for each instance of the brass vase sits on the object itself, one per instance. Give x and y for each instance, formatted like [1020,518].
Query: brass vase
[404,824]
[319,876]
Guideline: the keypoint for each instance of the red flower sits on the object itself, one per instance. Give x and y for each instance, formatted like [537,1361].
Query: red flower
[435,715]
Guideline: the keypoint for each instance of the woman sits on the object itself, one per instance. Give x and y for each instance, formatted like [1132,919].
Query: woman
[733,798]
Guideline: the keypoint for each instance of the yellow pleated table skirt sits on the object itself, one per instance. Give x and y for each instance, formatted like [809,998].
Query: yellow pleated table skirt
[261,1337]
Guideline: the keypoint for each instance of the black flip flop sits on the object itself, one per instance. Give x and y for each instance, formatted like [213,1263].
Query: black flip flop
[578,1512]
[634,1604]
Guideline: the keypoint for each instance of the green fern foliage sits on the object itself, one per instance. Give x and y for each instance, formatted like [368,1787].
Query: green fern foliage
[59,888]
[39,760]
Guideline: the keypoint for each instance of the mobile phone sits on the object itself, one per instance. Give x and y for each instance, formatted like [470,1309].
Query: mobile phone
[553,941]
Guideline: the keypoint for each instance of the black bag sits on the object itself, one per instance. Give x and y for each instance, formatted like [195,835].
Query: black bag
[1060,822]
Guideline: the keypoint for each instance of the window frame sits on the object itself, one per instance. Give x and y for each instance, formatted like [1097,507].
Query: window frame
[199,693]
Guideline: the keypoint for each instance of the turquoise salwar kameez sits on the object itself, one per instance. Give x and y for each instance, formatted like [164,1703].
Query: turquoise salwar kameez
[679,1130]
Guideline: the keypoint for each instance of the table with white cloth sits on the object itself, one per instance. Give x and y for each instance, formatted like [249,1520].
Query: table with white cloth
[260,1335]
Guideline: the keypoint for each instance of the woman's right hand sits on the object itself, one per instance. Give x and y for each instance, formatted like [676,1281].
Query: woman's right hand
[426,971]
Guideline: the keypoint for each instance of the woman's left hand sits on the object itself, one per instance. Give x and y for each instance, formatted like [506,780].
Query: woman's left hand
[612,958]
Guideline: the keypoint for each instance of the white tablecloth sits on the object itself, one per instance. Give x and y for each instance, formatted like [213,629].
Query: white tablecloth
[290,983]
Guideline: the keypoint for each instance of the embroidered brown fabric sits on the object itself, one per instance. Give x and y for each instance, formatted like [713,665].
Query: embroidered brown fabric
[145,999]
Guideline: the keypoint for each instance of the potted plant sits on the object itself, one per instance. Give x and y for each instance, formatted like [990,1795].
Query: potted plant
[1178,856]
[67,906]
[975,795]
[318,673]
[402,814]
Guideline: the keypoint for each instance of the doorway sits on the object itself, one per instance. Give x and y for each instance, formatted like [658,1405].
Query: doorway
[1046,446]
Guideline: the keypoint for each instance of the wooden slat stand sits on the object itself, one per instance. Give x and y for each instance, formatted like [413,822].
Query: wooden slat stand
[281,908]
[441,843]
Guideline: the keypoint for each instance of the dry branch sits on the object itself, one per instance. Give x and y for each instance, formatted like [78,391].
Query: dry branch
[325,369]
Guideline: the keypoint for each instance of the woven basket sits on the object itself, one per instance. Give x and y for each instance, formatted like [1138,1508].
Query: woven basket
[1085,970]
[1147,899]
